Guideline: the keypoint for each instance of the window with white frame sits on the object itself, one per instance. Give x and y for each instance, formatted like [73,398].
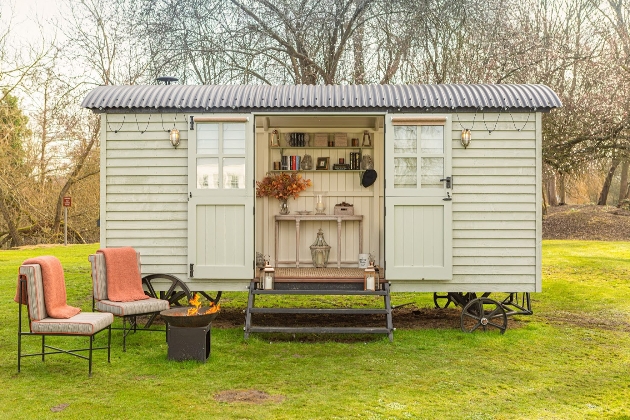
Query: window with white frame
[418,156]
[221,155]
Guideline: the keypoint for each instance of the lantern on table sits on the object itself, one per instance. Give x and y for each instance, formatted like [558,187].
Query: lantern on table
[267,277]
[370,278]
[320,251]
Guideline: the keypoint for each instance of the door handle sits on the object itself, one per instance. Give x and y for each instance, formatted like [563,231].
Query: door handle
[448,181]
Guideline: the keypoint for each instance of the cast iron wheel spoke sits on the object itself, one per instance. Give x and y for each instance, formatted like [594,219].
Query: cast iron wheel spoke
[210,299]
[484,312]
[177,293]
[501,328]
[441,301]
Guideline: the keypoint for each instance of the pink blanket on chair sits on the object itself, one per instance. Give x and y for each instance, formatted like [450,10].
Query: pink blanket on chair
[124,283]
[54,287]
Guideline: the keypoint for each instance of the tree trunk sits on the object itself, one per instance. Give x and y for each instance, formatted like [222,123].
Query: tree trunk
[551,190]
[16,239]
[623,184]
[603,195]
[359,67]
[562,193]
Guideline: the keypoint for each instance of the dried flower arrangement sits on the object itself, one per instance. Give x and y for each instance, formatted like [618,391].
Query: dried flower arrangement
[282,185]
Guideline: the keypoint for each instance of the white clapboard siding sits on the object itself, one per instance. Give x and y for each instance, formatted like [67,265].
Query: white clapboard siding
[144,204]
[495,204]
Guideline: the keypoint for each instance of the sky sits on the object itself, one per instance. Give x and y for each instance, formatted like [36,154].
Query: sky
[24,15]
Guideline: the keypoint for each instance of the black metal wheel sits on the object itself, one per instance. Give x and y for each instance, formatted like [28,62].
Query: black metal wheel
[442,301]
[210,298]
[483,314]
[177,293]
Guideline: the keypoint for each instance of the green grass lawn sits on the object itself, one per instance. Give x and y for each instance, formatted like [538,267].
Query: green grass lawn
[570,360]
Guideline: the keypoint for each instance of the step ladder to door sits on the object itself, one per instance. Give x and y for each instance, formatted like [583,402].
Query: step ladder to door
[314,288]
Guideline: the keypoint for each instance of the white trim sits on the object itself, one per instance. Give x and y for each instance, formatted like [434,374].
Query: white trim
[103,182]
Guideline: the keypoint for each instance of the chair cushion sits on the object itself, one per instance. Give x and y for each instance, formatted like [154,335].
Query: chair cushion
[85,323]
[132,308]
[35,287]
[99,276]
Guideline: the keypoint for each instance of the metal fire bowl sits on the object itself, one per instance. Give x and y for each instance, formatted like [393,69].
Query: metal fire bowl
[178,317]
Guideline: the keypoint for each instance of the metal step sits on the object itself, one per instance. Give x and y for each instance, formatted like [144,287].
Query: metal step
[321,330]
[387,311]
[338,311]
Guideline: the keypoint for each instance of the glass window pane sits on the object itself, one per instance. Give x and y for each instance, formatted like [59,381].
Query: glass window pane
[207,139]
[405,172]
[432,139]
[207,173]
[431,172]
[405,139]
[233,173]
[234,138]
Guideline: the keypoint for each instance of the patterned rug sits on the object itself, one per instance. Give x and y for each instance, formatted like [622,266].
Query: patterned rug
[319,273]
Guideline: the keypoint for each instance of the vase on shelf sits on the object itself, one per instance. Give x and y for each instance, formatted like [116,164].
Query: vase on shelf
[284,206]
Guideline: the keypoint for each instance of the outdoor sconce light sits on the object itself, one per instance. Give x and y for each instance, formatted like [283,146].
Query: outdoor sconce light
[370,278]
[466,137]
[267,277]
[174,137]
[320,251]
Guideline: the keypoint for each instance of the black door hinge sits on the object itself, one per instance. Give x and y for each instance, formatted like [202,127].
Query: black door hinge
[192,270]
[192,123]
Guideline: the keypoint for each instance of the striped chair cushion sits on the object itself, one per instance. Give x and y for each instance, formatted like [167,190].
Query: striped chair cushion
[35,288]
[132,308]
[85,323]
[99,274]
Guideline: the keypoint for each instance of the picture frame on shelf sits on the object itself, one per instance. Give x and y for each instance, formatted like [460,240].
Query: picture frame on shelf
[322,163]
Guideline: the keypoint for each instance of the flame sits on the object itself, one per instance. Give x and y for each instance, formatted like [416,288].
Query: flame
[212,308]
[195,302]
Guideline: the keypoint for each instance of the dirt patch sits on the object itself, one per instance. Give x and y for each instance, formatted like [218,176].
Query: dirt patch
[606,321]
[251,396]
[587,222]
[407,317]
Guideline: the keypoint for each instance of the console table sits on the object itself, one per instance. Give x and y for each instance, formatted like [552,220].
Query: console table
[297,218]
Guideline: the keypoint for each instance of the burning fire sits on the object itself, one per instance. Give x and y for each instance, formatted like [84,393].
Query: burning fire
[195,304]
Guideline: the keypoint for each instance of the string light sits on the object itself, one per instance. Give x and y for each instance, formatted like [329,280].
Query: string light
[119,128]
[138,125]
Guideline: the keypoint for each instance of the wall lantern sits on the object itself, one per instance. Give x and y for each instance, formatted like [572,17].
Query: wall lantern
[370,278]
[466,137]
[267,277]
[174,137]
[320,251]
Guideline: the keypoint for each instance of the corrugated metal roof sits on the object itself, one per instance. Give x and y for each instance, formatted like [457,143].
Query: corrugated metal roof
[230,98]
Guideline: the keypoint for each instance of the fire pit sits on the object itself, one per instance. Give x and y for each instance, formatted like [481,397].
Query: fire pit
[178,317]
[189,330]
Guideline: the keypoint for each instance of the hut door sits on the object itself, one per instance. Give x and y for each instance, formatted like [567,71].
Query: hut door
[221,198]
[418,206]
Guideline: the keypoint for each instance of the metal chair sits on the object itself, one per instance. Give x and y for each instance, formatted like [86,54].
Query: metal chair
[85,324]
[177,292]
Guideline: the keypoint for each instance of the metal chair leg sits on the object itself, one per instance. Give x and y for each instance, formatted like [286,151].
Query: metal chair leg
[90,356]
[124,333]
[109,343]
[20,327]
